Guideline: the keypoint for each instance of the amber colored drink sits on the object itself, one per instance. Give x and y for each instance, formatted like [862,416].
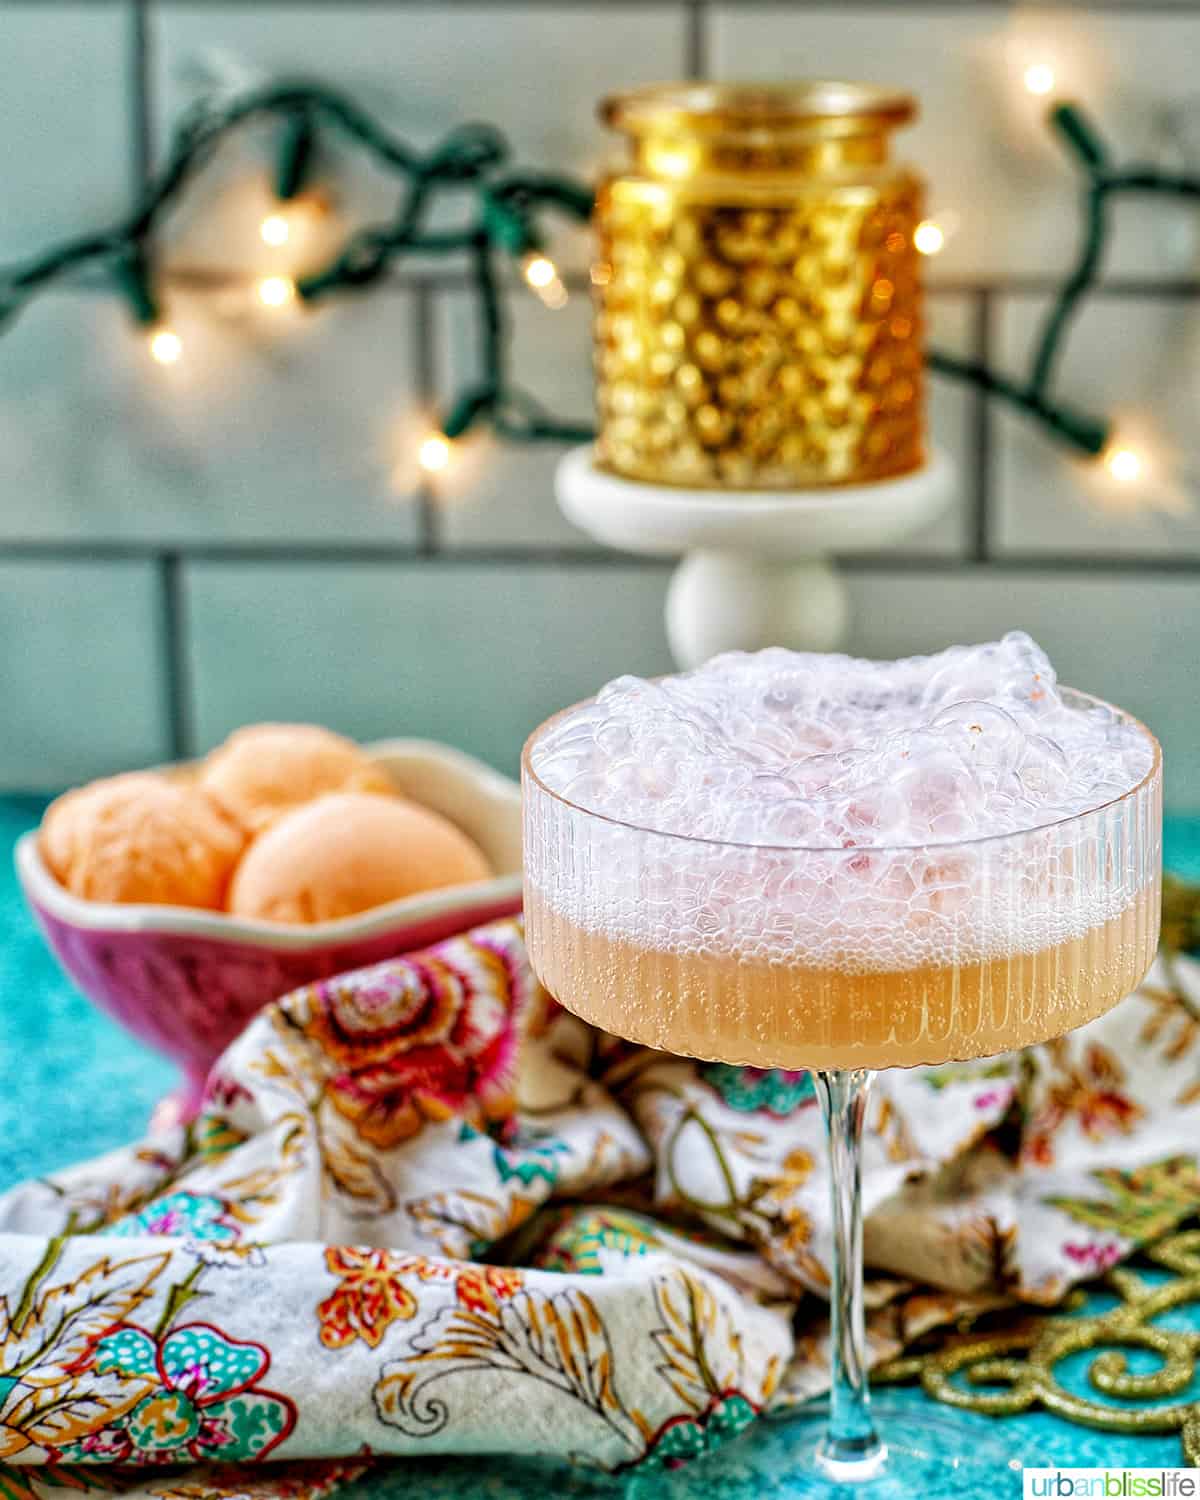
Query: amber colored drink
[779,1015]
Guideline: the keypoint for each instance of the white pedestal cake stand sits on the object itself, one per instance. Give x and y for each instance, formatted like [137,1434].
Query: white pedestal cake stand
[755,569]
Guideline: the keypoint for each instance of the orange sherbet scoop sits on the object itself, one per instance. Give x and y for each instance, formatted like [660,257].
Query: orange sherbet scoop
[141,837]
[348,852]
[265,770]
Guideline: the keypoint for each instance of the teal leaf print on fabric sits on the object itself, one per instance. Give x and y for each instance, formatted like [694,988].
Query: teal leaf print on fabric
[578,1244]
[528,1166]
[521,1153]
[128,1351]
[206,1404]
[748,1090]
[527,1155]
[252,1420]
[200,1216]
[205,1359]
[684,1438]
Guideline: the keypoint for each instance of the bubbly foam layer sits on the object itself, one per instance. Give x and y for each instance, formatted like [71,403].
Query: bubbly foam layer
[780,747]
[841,797]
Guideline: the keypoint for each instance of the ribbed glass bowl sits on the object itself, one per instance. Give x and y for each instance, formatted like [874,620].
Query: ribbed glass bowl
[836,958]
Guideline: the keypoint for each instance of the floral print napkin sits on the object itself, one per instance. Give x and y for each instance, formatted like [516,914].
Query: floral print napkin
[424,1210]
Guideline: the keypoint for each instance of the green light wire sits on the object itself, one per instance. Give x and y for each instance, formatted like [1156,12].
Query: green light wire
[471,159]
[1102,182]
[508,206]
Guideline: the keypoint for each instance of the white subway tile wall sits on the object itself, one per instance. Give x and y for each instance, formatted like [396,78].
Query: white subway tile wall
[1137,358]
[463,652]
[247,534]
[1122,636]
[953,324]
[81,678]
[272,426]
[980,139]
[64,119]
[535,69]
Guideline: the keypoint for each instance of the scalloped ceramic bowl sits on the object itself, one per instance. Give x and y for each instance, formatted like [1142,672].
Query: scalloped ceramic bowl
[187,981]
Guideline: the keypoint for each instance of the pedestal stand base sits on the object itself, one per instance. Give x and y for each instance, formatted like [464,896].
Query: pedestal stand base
[755,569]
[723,601]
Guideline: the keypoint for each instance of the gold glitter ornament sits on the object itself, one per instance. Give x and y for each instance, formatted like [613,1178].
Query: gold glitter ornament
[762,235]
[1019,1362]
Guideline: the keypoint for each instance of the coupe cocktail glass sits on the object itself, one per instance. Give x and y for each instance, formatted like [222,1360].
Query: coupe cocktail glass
[698,947]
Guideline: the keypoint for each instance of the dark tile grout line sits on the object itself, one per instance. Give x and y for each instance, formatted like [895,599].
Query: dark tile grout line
[1140,7]
[979,438]
[140,94]
[1011,284]
[1023,562]
[696,40]
[172,624]
[173,559]
[515,5]
[425,376]
[454,280]
[173,653]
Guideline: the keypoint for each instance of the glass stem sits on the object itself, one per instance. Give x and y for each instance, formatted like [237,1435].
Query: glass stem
[851,1447]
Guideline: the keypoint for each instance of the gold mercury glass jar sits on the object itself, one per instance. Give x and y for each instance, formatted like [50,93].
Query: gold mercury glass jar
[758,292]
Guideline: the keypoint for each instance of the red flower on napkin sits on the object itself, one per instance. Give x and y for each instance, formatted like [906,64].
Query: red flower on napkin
[430,1037]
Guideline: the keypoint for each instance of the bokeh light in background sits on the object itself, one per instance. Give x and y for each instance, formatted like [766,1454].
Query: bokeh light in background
[929,237]
[166,347]
[276,291]
[1124,464]
[434,453]
[1039,78]
[541,275]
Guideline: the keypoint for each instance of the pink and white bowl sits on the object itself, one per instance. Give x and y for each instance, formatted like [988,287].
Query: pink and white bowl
[186,982]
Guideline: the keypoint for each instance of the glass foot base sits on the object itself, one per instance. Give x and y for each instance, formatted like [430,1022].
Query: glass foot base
[931,1455]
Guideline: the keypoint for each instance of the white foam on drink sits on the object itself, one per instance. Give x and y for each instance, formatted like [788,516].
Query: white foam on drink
[824,751]
[783,758]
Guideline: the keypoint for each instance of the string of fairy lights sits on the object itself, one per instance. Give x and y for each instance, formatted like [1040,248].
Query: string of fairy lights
[502,225]
[1104,181]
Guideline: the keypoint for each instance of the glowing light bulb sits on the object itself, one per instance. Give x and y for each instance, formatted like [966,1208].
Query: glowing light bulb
[165,346]
[1124,464]
[541,274]
[539,271]
[275,230]
[929,237]
[1039,78]
[434,453]
[276,291]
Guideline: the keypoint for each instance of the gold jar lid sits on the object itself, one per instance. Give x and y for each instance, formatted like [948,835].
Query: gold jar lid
[757,113]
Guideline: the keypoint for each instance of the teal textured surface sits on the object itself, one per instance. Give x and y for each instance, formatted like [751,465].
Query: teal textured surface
[75,1085]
